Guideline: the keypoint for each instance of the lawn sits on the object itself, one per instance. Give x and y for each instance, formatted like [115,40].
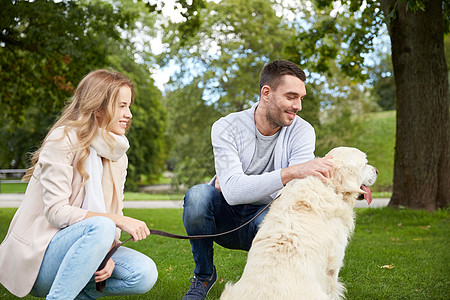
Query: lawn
[7,188]
[393,254]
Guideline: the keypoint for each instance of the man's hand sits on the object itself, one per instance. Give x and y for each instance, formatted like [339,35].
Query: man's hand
[319,167]
[217,185]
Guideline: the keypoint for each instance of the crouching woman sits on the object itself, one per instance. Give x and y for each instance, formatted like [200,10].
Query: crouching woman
[72,211]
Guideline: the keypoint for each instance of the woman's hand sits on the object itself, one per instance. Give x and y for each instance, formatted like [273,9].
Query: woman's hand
[136,228]
[106,272]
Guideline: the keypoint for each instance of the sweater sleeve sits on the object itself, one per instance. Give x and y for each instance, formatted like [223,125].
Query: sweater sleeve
[301,141]
[56,173]
[236,186]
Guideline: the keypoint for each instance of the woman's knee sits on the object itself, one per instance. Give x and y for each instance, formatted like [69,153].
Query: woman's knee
[147,276]
[137,270]
[103,228]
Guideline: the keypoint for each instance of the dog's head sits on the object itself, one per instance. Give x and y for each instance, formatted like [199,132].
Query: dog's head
[352,174]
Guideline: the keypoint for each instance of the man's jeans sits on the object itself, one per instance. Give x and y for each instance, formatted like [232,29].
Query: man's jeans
[207,212]
[73,256]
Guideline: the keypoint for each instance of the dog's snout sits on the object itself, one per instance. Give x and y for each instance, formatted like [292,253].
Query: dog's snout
[376,170]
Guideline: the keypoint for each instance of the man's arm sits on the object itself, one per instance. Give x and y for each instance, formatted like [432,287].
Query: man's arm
[229,142]
[320,167]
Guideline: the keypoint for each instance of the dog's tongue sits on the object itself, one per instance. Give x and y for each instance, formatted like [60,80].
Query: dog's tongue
[368,194]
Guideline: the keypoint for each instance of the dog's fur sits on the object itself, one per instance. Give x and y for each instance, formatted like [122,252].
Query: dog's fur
[299,249]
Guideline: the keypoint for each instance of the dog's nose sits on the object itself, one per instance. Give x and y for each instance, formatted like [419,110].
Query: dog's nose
[376,170]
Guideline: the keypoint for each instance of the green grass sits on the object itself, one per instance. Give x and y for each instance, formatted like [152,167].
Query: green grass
[8,188]
[415,243]
[151,197]
[21,187]
[131,196]
[381,194]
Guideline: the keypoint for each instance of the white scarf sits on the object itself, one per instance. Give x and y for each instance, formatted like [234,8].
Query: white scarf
[94,199]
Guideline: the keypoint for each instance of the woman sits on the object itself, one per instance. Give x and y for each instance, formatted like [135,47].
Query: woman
[72,211]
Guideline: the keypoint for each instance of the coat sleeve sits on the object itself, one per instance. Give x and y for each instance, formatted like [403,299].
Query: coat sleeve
[56,165]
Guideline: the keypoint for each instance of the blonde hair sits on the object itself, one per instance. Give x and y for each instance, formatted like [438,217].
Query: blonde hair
[98,92]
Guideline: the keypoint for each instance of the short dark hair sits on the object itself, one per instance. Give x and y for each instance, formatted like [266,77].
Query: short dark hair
[272,73]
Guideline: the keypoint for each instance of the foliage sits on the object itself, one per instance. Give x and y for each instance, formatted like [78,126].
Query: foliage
[219,73]
[336,35]
[225,54]
[191,12]
[414,242]
[44,50]
[228,51]
[343,32]
[189,127]
[381,77]
[46,47]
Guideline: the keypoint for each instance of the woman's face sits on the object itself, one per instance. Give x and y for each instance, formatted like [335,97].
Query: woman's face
[122,115]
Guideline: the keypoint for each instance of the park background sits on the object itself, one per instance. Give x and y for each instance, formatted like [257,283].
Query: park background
[195,61]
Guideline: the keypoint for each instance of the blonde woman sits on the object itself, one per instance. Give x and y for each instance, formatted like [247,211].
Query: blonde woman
[72,211]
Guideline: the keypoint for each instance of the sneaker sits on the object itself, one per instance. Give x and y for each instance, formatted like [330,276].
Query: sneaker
[199,289]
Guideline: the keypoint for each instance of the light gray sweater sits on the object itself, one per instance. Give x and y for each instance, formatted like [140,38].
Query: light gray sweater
[233,139]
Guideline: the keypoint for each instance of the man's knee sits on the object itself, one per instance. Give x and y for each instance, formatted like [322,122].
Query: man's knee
[199,196]
[198,203]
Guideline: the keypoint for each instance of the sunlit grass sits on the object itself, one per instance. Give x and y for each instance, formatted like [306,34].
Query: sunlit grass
[9,188]
[151,197]
[414,243]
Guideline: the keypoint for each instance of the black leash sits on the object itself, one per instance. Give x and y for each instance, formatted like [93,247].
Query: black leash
[100,286]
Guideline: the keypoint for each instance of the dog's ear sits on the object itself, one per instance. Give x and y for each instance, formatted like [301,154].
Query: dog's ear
[346,178]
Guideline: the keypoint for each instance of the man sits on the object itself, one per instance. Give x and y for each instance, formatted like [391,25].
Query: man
[256,152]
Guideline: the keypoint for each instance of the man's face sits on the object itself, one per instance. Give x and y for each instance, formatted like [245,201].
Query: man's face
[285,101]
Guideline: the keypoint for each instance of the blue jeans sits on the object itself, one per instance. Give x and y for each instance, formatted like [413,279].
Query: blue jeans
[74,254]
[207,212]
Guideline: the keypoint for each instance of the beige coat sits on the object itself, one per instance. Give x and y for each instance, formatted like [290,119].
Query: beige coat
[52,201]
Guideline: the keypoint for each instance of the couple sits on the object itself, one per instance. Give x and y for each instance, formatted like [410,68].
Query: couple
[72,212]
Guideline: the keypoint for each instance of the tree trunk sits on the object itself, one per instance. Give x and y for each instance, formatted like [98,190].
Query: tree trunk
[422,162]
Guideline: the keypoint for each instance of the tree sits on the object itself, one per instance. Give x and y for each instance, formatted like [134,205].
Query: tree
[46,47]
[383,82]
[219,73]
[189,132]
[422,154]
[228,50]
[225,53]
[416,29]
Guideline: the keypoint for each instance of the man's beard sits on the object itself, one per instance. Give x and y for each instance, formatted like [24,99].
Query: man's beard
[274,116]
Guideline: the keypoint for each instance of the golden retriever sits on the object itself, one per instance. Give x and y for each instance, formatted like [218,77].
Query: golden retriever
[300,246]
